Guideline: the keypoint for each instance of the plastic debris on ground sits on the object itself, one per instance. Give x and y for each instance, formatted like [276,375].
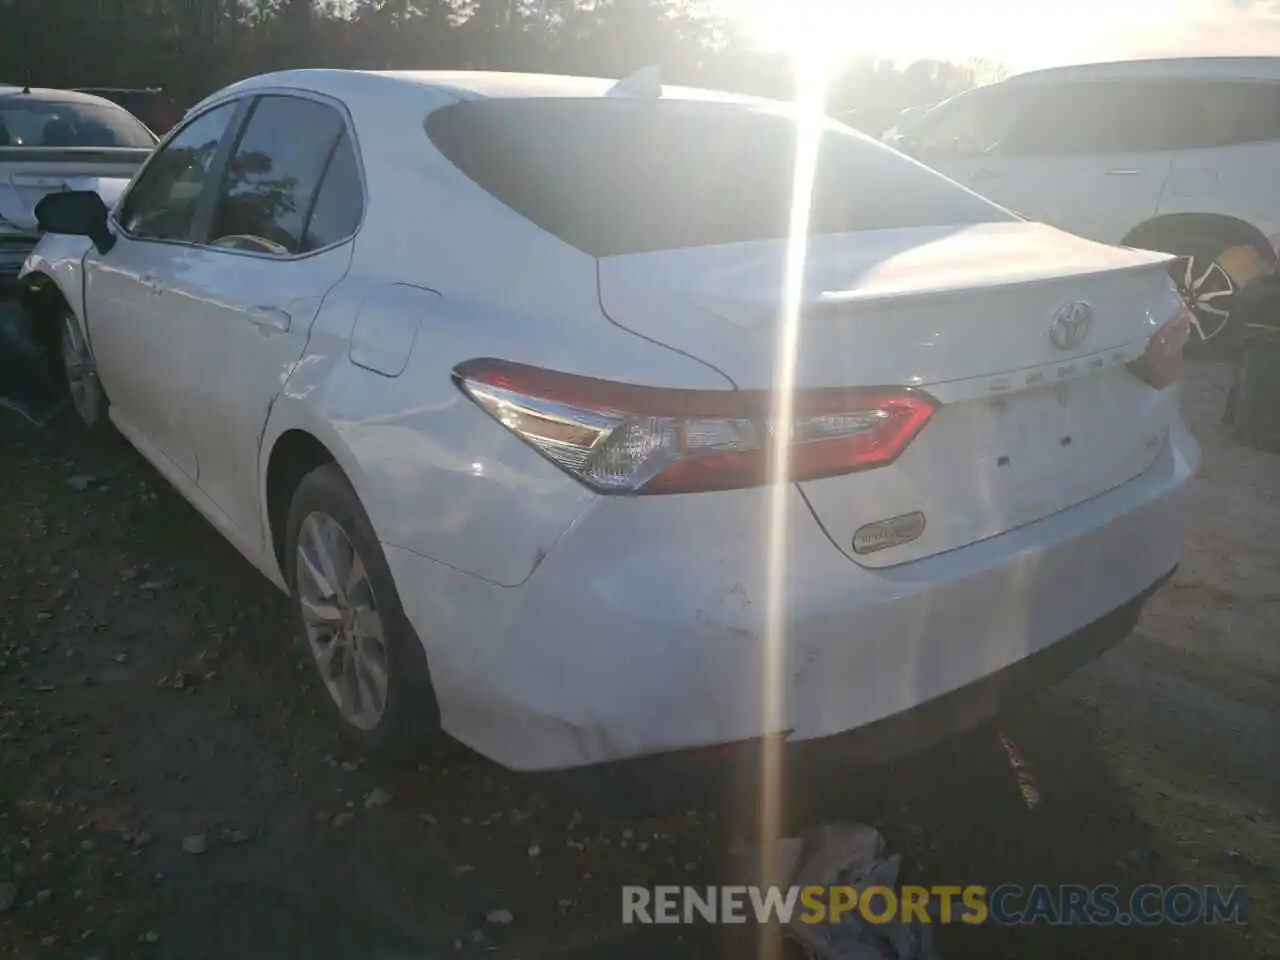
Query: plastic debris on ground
[854,855]
[1028,787]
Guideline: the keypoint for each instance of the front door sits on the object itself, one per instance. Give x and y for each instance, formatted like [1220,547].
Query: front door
[957,136]
[139,346]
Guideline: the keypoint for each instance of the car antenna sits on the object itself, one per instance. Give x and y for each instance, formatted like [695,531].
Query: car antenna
[644,84]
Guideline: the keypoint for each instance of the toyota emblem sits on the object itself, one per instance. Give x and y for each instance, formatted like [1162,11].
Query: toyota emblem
[1070,325]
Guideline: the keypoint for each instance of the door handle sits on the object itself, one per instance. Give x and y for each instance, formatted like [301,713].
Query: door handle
[986,175]
[150,284]
[1123,173]
[271,317]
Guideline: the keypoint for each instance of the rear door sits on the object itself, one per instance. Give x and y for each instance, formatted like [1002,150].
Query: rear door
[1228,161]
[279,236]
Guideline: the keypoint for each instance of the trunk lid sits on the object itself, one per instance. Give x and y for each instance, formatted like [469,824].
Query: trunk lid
[29,173]
[1027,426]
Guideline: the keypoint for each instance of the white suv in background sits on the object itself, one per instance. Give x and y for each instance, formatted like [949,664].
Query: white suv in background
[1178,155]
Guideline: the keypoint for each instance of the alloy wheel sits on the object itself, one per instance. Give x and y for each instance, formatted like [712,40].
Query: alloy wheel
[340,617]
[1209,291]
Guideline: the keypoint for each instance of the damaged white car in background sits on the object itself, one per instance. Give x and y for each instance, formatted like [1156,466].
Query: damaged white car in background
[55,140]
[498,413]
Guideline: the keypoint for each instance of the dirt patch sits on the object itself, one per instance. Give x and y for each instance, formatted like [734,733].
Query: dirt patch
[151,692]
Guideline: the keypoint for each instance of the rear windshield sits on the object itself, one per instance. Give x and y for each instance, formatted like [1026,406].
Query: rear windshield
[614,177]
[47,123]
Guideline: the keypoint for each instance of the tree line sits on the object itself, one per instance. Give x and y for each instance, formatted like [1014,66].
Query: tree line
[192,47]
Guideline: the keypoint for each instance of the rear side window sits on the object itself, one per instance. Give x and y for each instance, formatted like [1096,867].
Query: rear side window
[274,173]
[1220,114]
[614,177]
[1143,116]
[340,202]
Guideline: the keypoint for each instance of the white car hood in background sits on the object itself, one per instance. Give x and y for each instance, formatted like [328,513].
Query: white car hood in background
[15,210]
[109,188]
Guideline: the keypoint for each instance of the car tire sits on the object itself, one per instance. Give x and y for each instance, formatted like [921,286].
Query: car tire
[77,374]
[371,666]
[1210,290]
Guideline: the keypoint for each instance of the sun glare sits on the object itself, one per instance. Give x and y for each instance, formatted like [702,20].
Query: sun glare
[1023,36]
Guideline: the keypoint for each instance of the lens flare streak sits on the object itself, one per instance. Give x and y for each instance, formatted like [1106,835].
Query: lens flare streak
[810,103]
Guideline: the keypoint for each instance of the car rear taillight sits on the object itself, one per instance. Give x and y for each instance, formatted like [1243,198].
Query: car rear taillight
[1162,362]
[620,438]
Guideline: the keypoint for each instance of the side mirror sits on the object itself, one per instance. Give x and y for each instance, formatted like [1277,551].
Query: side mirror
[78,213]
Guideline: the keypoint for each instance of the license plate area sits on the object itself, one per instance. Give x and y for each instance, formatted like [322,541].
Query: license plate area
[1038,427]
[1053,447]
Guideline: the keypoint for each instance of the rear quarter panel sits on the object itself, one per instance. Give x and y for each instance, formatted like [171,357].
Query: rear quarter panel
[435,473]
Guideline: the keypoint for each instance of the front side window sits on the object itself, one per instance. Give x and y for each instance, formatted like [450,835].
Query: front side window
[163,203]
[972,124]
[273,175]
[27,122]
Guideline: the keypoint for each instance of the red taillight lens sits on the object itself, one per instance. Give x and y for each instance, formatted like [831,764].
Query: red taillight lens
[1162,362]
[620,438]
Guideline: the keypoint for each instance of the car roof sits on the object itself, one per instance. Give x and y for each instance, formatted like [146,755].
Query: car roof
[1170,68]
[50,95]
[464,85]
[94,90]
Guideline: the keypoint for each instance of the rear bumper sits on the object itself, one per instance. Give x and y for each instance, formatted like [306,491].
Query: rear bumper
[732,773]
[642,631]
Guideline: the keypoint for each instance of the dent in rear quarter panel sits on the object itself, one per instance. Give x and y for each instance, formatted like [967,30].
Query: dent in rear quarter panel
[434,473]
[452,484]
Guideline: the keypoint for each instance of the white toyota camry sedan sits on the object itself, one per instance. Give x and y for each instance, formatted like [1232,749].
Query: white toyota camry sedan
[482,369]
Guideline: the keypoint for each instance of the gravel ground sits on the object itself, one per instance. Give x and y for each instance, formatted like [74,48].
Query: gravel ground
[169,786]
